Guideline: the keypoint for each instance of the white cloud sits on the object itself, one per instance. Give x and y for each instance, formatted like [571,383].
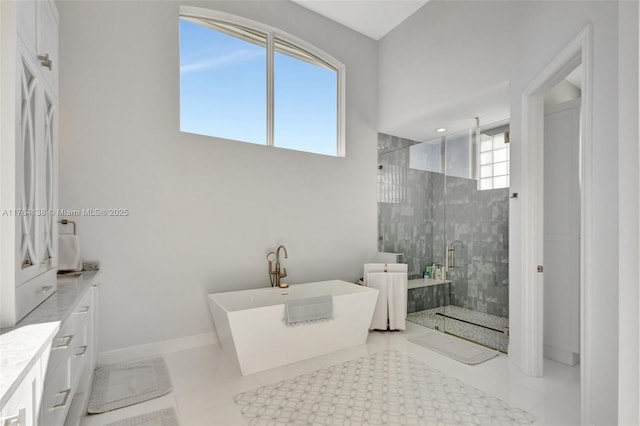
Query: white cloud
[232,58]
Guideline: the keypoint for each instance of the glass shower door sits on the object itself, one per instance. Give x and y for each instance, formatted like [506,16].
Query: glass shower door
[475,247]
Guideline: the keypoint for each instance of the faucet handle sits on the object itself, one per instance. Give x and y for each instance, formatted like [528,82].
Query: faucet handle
[284,273]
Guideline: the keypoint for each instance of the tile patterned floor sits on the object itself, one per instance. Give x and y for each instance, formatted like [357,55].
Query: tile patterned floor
[205,382]
[383,388]
[451,324]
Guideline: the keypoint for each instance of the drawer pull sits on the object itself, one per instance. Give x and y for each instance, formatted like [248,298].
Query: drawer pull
[64,401]
[84,310]
[44,289]
[19,419]
[83,350]
[64,342]
[45,61]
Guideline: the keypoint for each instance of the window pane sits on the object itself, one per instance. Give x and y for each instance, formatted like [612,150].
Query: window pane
[486,158]
[222,83]
[486,183]
[486,171]
[500,182]
[486,146]
[306,103]
[500,155]
[501,168]
[498,141]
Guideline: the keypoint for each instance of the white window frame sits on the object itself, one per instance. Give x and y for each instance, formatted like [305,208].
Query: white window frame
[273,34]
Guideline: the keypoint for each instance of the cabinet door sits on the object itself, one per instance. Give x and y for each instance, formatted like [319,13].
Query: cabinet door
[27,11]
[26,166]
[47,182]
[37,141]
[23,406]
[47,49]
[57,395]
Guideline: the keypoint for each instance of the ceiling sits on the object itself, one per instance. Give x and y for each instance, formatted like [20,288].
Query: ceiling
[491,106]
[373,18]
[376,18]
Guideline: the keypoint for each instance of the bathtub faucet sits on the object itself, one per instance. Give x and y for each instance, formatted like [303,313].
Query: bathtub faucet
[276,273]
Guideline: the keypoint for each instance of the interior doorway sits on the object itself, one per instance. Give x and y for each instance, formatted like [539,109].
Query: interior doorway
[535,217]
[561,334]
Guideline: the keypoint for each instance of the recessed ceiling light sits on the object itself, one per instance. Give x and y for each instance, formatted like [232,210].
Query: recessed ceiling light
[441,130]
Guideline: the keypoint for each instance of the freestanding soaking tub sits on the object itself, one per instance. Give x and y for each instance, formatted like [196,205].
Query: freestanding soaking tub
[251,330]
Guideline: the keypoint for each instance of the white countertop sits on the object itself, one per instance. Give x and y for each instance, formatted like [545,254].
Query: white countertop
[19,350]
[425,282]
[59,305]
[20,346]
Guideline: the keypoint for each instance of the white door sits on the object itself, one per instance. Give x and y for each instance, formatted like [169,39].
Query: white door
[562,233]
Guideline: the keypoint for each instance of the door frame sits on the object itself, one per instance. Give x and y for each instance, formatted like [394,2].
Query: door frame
[578,51]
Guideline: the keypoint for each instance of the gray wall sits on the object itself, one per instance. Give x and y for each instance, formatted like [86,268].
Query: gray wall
[411,220]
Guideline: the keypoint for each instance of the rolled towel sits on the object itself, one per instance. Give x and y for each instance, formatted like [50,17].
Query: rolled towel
[69,253]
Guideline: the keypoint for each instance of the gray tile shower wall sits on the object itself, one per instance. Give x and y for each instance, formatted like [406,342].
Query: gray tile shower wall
[429,297]
[480,220]
[411,220]
[405,216]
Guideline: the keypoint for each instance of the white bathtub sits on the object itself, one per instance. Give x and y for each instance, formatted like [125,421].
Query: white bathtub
[251,331]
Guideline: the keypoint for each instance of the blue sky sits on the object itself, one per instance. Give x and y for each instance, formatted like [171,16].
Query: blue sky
[223,93]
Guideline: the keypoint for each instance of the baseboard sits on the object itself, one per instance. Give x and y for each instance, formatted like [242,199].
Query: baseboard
[158,348]
[561,355]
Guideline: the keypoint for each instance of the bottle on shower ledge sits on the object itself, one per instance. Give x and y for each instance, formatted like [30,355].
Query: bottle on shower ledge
[437,272]
[427,272]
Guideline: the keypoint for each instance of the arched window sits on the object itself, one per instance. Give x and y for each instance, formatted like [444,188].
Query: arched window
[245,81]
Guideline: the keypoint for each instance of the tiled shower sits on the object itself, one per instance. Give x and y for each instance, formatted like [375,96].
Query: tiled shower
[422,211]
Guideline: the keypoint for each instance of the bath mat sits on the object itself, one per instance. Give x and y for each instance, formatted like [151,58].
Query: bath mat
[454,347]
[165,417]
[120,385]
[384,388]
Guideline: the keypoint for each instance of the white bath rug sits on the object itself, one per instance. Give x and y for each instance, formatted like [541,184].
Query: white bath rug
[164,417]
[454,347]
[120,385]
[385,388]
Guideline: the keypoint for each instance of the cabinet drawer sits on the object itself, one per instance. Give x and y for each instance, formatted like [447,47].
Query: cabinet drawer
[63,344]
[82,314]
[80,351]
[58,394]
[33,292]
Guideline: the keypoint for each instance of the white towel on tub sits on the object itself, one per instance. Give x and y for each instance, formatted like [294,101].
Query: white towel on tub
[308,309]
[391,307]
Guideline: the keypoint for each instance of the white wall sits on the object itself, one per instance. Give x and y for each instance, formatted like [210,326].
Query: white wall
[629,164]
[449,49]
[443,54]
[204,212]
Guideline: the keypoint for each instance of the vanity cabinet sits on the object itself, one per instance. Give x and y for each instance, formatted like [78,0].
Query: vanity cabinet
[71,364]
[28,155]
